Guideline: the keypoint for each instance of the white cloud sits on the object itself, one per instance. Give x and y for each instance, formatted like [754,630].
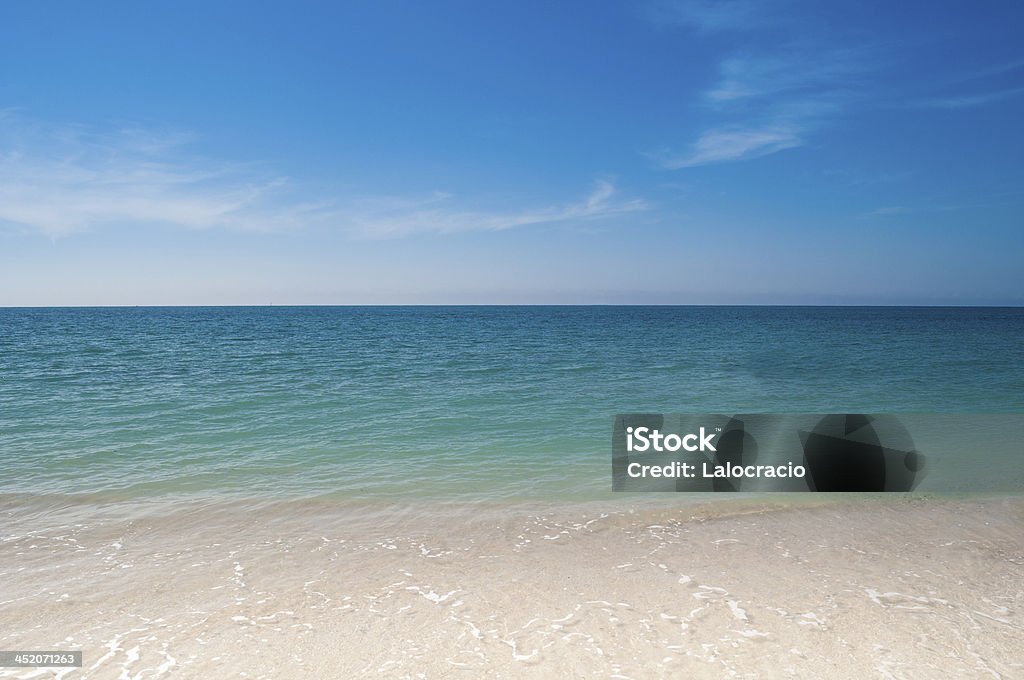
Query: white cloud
[773,91]
[800,72]
[971,100]
[719,145]
[389,218]
[764,105]
[59,180]
[712,16]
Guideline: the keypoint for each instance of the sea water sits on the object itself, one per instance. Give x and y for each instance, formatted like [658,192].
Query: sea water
[403,403]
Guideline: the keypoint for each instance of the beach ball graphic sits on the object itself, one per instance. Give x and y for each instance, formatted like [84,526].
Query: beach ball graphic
[857,452]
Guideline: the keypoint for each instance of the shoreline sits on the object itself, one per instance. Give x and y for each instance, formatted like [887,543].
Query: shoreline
[29,514]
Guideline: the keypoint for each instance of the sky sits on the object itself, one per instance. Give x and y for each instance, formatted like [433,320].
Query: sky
[660,152]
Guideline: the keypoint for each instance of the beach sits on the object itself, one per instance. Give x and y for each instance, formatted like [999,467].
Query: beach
[894,587]
[627,340]
[427,492]
[398,340]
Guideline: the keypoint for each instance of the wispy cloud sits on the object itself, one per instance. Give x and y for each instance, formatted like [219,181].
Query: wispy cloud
[767,105]
[64,179]
[774,93]
[983,85]
[970,100]
[390,217]
[937,206]
[889,210]
[713,16]
[802,72]
[726,144]
[60,180]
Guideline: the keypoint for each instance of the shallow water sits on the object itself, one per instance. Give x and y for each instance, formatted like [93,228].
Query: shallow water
[895,587]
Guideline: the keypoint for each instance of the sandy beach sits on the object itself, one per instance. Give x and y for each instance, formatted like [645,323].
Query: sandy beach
[454,340]
[882,587]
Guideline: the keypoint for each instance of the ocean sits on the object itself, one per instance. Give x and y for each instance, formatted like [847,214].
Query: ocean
[462,403]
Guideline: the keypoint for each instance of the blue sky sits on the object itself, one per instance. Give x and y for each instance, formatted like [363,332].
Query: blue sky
[574,152]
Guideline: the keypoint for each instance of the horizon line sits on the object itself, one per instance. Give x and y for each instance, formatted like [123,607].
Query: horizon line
[1019,305]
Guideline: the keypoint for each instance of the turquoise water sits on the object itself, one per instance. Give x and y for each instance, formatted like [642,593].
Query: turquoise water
[410,402]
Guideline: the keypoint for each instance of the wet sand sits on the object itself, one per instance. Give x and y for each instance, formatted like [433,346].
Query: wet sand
[891,588]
